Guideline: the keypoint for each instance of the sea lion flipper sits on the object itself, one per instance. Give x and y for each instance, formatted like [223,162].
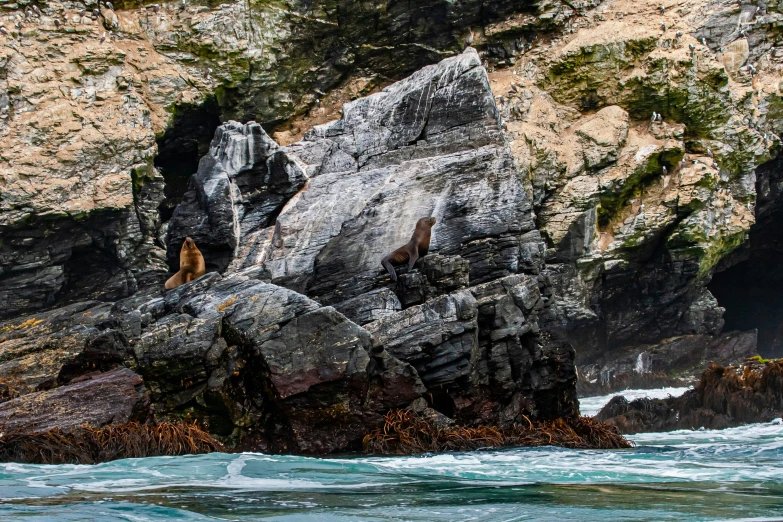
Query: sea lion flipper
[173,282]
[399,256]
[413,255]
[388,266]
[416,247]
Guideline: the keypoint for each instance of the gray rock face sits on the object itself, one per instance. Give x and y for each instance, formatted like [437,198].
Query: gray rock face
[105,257]
[520,369]
[303,343]
[371,306]
[248,354]
[481,351]
[428,145]
[240,187]
[439,338]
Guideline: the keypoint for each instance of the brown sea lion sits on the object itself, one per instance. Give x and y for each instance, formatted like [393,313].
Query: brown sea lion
[417,247]
[191,265]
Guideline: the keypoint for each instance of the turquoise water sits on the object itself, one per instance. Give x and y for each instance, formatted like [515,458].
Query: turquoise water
[734,474]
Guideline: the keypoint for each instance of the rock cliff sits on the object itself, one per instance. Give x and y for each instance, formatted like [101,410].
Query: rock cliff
[303,342]
[567,216]
[105,110]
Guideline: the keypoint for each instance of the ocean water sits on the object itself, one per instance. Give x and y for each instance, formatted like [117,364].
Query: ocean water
[733,474]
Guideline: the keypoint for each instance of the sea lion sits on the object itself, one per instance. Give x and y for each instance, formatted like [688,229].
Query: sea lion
[417,247]
[191,265]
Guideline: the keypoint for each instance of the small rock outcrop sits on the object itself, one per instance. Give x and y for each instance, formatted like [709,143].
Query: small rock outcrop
[724,397]
[116,396]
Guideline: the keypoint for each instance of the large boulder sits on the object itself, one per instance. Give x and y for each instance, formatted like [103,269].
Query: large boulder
[117,396]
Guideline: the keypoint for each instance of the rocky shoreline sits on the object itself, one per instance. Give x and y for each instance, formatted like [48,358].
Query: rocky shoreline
[675,362]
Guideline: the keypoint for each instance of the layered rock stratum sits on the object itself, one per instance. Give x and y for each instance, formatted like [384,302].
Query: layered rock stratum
[298,143]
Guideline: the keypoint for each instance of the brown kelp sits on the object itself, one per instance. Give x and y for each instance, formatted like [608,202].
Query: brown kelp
[87,445]
[405,432]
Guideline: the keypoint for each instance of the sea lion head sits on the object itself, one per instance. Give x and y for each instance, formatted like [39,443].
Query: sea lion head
[189,244]
[427,221]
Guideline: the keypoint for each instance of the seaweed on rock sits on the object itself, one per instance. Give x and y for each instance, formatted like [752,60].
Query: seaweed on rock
[406,432]
[87,445]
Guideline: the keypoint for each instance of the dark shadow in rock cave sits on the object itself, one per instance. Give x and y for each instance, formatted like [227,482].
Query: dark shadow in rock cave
[750,287]
[181,147]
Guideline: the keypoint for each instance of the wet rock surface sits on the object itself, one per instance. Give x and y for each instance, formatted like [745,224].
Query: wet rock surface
[724,397]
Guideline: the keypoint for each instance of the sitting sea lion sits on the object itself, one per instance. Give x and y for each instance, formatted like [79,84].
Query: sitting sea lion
[417,247]
[191,265]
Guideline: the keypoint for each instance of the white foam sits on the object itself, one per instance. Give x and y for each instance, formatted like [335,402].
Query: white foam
[591,405]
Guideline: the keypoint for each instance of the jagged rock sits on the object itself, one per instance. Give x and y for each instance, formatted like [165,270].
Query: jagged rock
[249,354]
[444,274]
[416,150]
[371,306]
[78,214]
[724,397]
[176,356]
[117,396]
[633,233]
[480,355]
[395,156]
[436,275]
[331,416]
[36,350]
[275,370]
[438,338]
[241,185]
[519,370]
[393,383]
